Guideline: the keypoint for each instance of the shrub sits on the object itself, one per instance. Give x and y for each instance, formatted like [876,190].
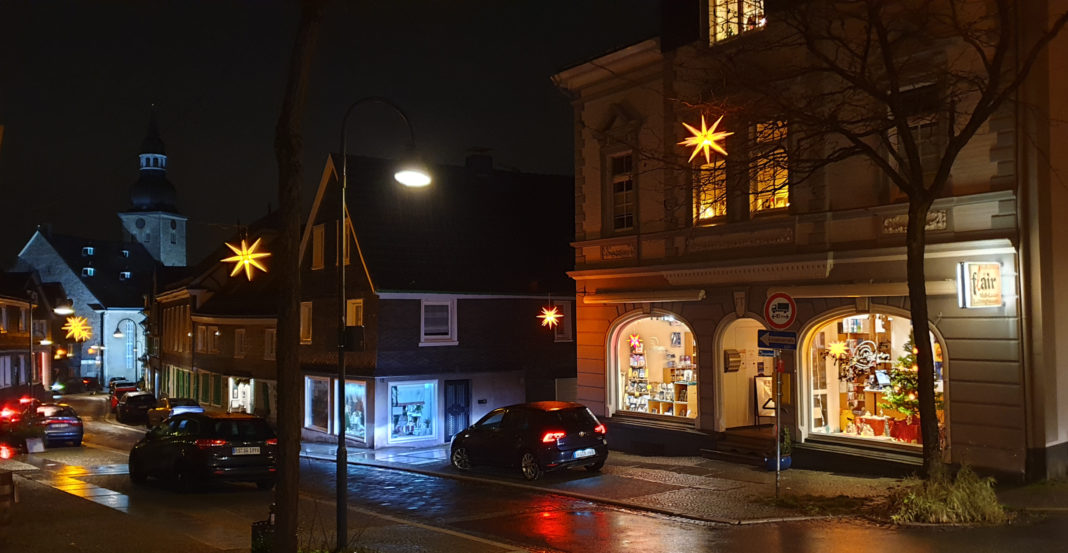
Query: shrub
[945,499]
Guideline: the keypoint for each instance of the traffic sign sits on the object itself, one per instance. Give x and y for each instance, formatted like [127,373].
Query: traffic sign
[765,353]
[780,311]
[776,339]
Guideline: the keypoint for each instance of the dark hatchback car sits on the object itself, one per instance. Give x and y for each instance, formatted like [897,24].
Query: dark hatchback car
[118,389]
[191,448]
[134,406]
[60,423]
[535,437]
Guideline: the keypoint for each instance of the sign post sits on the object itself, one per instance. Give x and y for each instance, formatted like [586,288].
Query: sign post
[780,312]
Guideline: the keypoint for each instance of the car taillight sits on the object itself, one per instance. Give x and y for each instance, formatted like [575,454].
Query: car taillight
[600,429]
[75,423]
[552,435]
[272,441]
[6,452]
[7,413]
[205,444]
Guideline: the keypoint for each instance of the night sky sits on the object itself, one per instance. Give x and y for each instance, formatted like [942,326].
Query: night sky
[77,80]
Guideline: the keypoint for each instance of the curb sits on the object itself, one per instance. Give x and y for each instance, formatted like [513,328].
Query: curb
[576,495]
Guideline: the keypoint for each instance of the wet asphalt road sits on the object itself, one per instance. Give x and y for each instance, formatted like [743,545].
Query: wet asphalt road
[398,511]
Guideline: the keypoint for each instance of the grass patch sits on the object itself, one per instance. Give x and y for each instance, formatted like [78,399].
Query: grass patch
[965,498]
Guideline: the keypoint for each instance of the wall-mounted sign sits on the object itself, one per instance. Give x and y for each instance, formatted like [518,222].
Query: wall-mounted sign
[979,284]
[780,311]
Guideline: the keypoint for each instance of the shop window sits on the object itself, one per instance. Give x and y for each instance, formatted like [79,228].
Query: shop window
[730,18]
[710,192]
[862,379]
[356,410]
[656,372]
[317,406]
[621,174]
[413,411]
[769,167]
[318,246]
[438,323]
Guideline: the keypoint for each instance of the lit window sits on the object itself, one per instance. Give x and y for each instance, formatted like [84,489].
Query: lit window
[710,194]
[305,322]
[125,253]
[269,336]
[87,250]
[769,167]
[124,275]
[622,182]
[438,323]
[317,247]
[730,18]
[88,271]
[354,313]
[563,331]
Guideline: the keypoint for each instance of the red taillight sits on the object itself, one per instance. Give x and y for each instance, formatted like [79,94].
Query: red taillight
[85,381]
[600,429]
[552,435]
[205,444]
[6,452]
[7,413]
[25,399]
[272,441]
[74,423]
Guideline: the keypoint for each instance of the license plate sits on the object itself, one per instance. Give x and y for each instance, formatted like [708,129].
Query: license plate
[583,453]
[246,451]
[62,425]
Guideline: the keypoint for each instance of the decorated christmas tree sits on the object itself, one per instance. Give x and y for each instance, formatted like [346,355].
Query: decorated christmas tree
[904,381]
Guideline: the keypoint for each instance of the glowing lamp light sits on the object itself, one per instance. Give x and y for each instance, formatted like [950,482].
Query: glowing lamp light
[838,349]
[550,316]
[245,258]
[78,329]
[705,139]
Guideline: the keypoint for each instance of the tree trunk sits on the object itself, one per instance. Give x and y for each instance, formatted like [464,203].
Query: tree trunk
[916,242]
[288,148]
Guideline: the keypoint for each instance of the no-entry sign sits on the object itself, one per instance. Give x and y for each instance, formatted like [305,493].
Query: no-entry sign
[780,311]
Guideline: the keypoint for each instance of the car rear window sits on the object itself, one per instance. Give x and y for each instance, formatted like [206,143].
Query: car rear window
[242,429]
[55,411]
[579,417]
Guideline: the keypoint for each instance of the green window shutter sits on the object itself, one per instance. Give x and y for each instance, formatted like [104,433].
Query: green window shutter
[218,389]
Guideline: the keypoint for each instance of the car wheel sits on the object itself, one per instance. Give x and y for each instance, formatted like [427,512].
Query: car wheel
[528,465]
[137,471]
[596,466]
[461,459]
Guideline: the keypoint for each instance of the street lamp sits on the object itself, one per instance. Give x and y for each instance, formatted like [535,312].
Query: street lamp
[410,173]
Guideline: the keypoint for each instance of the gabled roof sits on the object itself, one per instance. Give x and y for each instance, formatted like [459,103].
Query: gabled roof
[474,230]
[108,261]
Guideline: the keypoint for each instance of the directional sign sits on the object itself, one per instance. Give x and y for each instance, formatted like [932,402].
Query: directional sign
[776,339]
[780,311]
[765,353]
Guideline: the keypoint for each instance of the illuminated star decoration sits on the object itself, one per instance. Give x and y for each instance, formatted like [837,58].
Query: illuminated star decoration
[838,349]
[245,257]
[706,139]
[550,316]
[635,341]
[78,329]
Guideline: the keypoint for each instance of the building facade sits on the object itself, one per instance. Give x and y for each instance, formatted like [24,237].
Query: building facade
[675,261]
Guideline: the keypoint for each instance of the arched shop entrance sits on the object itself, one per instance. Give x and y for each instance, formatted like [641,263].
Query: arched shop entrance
[859,379]
[653,367]
[743,376]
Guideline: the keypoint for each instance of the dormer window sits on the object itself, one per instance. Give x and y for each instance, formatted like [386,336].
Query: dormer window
[730,18]
[88,271]
[126,253]
[124,275]
[87,251]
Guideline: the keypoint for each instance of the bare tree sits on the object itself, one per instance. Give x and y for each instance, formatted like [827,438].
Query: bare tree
[288,147]
[903,84]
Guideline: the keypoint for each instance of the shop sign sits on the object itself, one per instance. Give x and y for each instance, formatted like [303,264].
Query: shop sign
[979,285]
[780,311]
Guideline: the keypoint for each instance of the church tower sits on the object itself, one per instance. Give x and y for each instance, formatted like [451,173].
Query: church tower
[153,220]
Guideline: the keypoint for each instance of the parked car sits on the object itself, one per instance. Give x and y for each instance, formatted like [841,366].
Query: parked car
[91,384]
[60,423]
[118,389]
[535,437]
[193,447]
[134,406]
[76,385]
[169,406]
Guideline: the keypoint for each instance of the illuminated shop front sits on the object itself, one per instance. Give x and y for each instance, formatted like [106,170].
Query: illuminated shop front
[655,359]
[413,411]
[320,412]
[861,379]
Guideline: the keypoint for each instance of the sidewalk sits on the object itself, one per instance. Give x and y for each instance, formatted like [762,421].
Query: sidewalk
[690,487]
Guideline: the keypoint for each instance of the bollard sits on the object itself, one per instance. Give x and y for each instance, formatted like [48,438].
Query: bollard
[7,496]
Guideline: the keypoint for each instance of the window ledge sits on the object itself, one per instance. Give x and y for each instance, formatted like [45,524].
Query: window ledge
[435,343]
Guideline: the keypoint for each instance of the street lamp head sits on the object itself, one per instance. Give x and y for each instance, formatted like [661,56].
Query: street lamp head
[118,333]
[413,174]
[64,307]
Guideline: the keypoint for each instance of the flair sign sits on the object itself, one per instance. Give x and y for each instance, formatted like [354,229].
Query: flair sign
[979,284]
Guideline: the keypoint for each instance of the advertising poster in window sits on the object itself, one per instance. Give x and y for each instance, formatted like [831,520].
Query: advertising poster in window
[355,412]
[413,406]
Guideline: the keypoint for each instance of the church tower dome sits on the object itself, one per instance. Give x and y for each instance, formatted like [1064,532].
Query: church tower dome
[152,191]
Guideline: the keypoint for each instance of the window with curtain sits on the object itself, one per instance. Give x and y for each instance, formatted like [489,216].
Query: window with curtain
[769,167]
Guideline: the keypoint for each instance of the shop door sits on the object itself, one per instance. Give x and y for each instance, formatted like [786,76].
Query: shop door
[457,407]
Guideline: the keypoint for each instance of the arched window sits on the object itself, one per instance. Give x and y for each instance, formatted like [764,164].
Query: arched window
[129,337]
[656,367]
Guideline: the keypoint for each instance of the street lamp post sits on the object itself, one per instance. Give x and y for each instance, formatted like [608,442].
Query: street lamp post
[412,174]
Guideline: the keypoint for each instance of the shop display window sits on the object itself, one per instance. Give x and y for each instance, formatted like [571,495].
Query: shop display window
[355,409]
[317,403]
[862,379]
[657,368]
[413,409]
